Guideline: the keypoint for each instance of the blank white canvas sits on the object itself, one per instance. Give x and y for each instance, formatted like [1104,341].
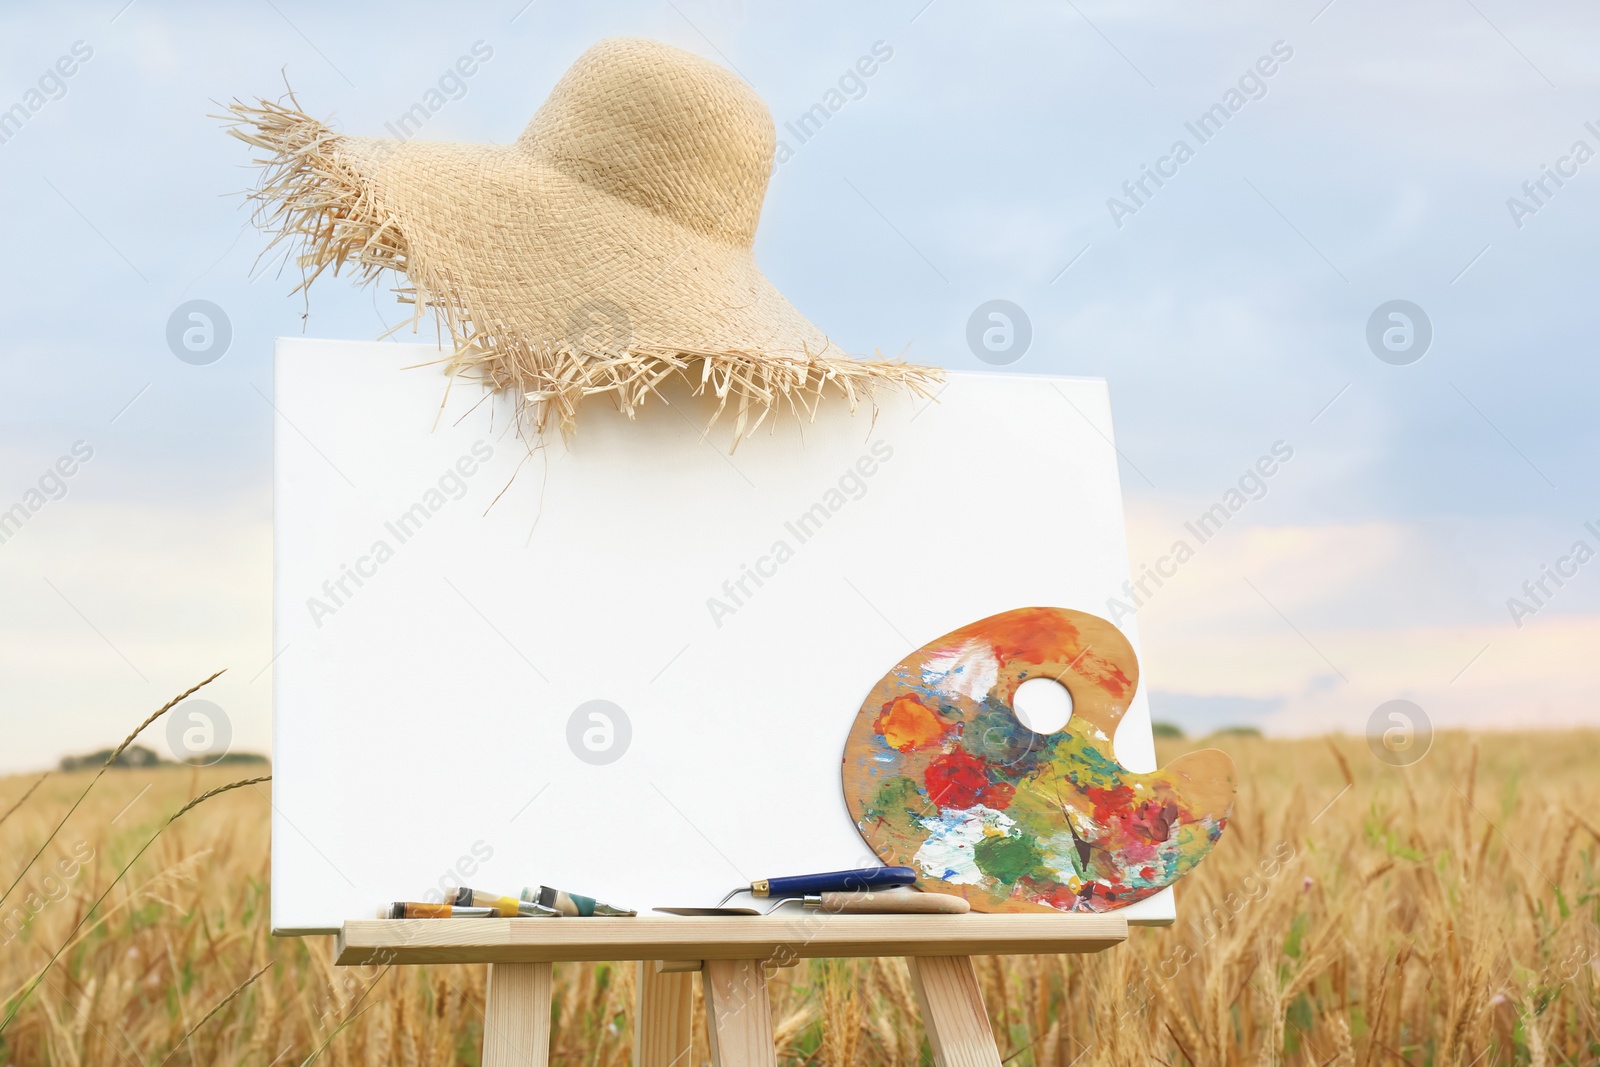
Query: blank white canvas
[421,716]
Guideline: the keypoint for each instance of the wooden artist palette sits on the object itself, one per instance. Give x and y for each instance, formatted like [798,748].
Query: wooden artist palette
[941,775]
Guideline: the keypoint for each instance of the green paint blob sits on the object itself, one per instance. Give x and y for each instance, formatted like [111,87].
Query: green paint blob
[1088,768]
[1006,859]
[896,799]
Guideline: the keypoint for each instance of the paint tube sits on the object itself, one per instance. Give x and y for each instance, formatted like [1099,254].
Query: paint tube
[506,907]
[405,909]
[571,904]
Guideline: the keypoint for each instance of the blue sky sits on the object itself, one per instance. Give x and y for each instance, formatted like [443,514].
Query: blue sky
[1228,312]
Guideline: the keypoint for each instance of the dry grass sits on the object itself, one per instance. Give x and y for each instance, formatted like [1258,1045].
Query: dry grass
[1444,914]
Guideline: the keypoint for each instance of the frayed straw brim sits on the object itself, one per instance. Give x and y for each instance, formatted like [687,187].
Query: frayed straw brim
[522,261]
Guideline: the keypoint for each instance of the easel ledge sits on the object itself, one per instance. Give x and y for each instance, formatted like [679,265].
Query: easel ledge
[734,954]
[756,937]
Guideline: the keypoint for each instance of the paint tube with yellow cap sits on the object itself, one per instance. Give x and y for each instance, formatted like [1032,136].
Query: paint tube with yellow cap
[506,907]
[543,902]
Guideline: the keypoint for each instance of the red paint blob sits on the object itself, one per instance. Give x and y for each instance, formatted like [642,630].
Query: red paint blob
[997,795]
[955,779]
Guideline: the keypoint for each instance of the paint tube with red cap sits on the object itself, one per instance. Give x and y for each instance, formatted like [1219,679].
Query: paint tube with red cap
[407,909]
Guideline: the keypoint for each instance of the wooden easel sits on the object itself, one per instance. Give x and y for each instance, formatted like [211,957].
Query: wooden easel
[733,954]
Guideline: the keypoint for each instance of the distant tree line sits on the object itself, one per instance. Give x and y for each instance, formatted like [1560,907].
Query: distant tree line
[137,756]
[1173,730]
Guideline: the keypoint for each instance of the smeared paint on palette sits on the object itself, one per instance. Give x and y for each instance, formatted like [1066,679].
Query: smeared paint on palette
[941,775]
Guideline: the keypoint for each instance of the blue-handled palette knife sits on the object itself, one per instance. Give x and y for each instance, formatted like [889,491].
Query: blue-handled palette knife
[807,885]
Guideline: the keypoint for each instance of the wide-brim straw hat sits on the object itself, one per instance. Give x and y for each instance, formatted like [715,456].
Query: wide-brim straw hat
[605,250]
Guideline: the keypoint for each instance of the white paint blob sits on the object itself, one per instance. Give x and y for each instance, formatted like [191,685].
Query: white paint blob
[968,671]
[952,835]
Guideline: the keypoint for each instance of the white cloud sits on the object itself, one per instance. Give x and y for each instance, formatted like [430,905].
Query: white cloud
[1334,620]
[137,590]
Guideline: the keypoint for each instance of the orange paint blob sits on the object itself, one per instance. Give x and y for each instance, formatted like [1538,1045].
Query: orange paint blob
[1032,635]
[906,723]
[1039,635]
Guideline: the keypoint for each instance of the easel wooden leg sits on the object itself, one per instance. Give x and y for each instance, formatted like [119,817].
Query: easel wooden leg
[738,1014]
[952,1011]
[663,1017]
[516,1024]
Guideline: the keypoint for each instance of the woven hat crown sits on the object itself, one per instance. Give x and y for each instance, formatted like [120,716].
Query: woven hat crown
[662,129]
[631,199]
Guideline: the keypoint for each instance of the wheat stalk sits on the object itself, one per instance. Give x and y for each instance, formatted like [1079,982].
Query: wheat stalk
[126,741]
[20,1000]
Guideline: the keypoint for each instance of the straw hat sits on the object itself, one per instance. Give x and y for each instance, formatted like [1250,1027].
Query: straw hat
[605,250]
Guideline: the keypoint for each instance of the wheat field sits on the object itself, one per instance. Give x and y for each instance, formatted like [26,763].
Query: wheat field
[1354,913]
